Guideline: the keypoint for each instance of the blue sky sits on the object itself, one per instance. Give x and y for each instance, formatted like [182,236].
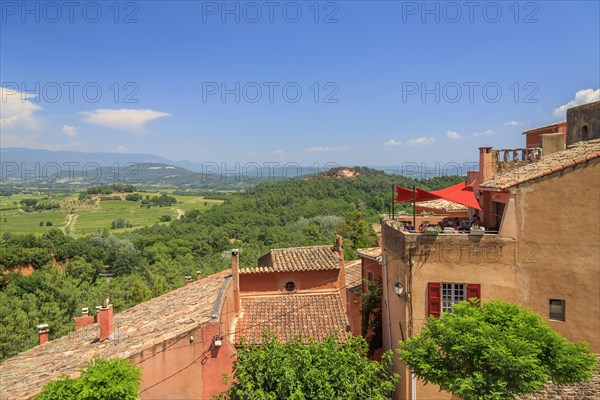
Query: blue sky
[397,81]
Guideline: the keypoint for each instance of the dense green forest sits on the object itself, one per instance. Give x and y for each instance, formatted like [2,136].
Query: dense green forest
[72,273]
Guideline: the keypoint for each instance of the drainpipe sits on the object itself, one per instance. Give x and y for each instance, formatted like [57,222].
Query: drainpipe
[387,296]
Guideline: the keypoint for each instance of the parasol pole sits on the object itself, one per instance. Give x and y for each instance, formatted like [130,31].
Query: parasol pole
[414,207]
[393,201]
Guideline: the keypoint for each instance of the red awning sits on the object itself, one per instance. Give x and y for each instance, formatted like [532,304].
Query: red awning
[459,193]
[406,195]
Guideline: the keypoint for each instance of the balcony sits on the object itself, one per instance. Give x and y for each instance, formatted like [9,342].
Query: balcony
[506,159]
[461,248]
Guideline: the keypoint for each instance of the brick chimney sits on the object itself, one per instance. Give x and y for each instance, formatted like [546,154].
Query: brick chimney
[198,275]
[235,273]
[98,308]
[43,333]
[105,319]
[84,320]
[487,164]
[188,280]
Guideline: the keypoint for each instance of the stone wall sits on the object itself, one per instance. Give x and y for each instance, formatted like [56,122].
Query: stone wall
[589,390]
[583,123]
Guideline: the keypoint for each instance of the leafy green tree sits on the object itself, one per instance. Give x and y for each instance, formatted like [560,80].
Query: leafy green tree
[494,351]
[315,370]
[114,379]
[372,315]
[356,233]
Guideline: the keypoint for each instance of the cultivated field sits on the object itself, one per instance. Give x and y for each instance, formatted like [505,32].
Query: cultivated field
[86,217]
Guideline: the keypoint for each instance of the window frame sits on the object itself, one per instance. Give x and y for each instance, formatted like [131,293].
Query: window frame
[457,293]
[562,316]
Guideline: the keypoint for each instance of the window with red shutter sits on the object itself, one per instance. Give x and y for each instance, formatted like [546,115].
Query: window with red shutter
[473,291]
[434,304]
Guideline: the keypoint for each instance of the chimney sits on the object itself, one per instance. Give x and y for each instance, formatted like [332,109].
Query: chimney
[188,280]
[552,142]
[43,333]
[338,243]
[198,275]
[487,166]
[235,273]
[98,308]
[84,320]
[105,318]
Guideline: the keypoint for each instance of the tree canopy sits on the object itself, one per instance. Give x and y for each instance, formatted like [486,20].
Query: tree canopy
[100,379]
[297,370]
[494,351]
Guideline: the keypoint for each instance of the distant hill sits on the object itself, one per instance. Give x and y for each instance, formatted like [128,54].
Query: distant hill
[30,156]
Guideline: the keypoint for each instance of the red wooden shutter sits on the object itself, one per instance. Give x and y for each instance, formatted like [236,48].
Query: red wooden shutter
[473,290]
[434,299]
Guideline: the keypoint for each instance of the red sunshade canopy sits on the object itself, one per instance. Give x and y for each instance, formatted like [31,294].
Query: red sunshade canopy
[406,195]
[459,193]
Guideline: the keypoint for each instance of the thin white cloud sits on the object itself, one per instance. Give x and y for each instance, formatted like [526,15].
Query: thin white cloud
[343,148]
[583,96]
[512,123]
[420,141]
[391,143]
[70,131]
[124,119]
[278,152]
[487,132]
[121,149]
[454,135]
[318,149]
[16,111]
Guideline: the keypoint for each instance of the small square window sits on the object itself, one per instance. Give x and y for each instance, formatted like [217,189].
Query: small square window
[370,277]
[557,310]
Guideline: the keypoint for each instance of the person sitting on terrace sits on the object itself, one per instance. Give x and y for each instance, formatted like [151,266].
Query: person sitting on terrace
[456,224]
[409,227]
[424,225]
[476,220]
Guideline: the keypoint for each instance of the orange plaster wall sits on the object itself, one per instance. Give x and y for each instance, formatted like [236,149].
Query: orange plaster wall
[273,282]
[193,368]
[369,265]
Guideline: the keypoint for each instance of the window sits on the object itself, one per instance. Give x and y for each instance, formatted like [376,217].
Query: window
[290,286]
[370,276]
[452,293]
[557,310]
[584,133]
[442,296]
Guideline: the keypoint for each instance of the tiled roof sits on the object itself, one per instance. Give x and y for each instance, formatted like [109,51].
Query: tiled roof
[539,128]
[576,154]
[308,258]
[315,316]
[353,272]
[441,204]
[374,253]
[136,329]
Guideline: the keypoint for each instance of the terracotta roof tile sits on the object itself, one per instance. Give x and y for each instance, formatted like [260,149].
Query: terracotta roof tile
[441,204]
[138,328]
[374,253]
[353,272]
[308,258]
[538,128]
[315,316]
[576,154]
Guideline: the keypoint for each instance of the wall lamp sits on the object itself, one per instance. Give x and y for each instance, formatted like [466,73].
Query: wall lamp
[399,289]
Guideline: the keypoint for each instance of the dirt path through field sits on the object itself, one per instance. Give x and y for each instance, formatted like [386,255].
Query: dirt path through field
[70,224]
[180,213]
